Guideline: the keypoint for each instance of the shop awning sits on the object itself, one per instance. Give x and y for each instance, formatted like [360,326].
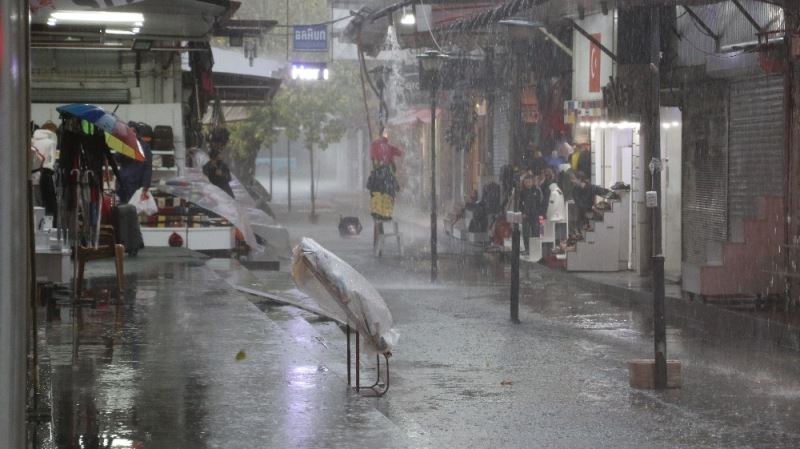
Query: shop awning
[545,10]
[240,81]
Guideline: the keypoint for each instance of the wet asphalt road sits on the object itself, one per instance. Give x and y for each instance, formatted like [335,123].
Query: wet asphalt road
[160,370]
[465,376]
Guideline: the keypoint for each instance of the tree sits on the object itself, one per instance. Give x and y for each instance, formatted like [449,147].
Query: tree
[319,111]
[248,136]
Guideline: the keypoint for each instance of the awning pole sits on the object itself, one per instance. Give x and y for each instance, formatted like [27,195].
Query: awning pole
[14,235]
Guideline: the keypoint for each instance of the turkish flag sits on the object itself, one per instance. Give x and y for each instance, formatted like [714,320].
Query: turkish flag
[594,64]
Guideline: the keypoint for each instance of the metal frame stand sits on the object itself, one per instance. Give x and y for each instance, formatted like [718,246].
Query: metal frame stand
[377,388]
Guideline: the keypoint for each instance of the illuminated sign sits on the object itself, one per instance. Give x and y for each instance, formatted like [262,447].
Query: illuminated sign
[310,38]
[309,71]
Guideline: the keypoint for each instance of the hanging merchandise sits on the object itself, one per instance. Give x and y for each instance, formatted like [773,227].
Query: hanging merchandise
[460,133]
[219,133]
[383,187]
[530,105]
[382,182]
[79,178]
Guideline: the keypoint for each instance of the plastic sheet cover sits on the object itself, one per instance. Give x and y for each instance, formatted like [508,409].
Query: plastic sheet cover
[344,294]
[194,187]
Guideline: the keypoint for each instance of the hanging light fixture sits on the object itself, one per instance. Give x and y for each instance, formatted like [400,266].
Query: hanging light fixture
[409,17]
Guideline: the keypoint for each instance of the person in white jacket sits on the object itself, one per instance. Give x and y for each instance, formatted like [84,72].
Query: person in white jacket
[555,208]
[44,154]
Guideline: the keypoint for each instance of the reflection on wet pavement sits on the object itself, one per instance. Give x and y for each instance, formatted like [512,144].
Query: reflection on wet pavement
[163,369]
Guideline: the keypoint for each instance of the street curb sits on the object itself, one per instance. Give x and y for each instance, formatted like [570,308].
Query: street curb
[716,321]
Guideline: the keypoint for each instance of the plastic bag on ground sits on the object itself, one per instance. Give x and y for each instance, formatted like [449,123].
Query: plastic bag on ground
[344,294]
[147,207]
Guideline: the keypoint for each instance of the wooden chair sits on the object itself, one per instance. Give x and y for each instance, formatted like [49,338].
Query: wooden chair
[108,248]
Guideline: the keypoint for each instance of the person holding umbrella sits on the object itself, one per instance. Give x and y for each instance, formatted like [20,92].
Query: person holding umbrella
[133,174]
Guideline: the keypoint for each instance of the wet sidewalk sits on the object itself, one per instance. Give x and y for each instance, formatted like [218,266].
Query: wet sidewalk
[187,362]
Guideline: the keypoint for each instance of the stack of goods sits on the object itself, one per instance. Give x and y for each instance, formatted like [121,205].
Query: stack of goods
[176,212]
[164,141]
[383,187]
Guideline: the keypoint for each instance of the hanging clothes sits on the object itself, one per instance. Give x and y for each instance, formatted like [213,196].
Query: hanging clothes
[381,152]
[382,182]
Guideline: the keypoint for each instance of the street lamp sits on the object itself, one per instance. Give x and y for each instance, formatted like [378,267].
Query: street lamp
[430,66]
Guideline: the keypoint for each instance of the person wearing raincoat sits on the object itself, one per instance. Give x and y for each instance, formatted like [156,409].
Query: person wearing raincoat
[134,175]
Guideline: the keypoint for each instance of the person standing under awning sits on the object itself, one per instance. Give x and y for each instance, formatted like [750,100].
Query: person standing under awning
[134,174]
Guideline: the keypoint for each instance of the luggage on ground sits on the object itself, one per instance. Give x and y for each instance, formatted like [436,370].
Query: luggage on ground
[126,227]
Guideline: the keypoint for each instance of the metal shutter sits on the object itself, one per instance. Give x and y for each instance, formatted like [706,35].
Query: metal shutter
[107,96]
[757,143]
[705,171]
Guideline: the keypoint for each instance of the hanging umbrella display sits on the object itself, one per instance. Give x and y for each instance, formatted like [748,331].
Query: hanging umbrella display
[119,136]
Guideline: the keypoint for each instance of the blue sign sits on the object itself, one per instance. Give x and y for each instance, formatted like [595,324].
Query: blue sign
[311,38]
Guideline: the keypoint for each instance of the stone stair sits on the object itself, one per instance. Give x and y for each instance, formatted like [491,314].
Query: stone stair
[605,246]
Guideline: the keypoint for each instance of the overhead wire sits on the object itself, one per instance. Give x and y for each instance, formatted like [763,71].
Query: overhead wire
[327,22]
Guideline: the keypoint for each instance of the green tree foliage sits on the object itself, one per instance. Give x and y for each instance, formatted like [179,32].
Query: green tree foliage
[247,137]
[318,112]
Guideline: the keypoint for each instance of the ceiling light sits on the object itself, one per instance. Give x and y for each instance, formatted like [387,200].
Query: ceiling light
[51,22]
[98,17]
[125,32]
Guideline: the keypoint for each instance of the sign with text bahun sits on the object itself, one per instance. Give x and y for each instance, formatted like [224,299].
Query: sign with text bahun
[311,38]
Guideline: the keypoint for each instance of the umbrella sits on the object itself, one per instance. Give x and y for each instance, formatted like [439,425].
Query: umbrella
[119,136]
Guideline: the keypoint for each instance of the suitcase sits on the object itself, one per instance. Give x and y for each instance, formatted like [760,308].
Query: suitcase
[126,228]
[163,140]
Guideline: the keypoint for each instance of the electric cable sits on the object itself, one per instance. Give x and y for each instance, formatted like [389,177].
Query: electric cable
[327,22]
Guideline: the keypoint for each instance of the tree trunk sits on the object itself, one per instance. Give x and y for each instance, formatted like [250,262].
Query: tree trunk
[313,215]
[245,168]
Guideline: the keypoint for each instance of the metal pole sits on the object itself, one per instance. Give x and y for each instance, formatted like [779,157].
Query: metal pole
[271,164]
[515,265]
[289,170]
[434,256]
[288,31]
[313,215]
[653,137]
[14,171]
